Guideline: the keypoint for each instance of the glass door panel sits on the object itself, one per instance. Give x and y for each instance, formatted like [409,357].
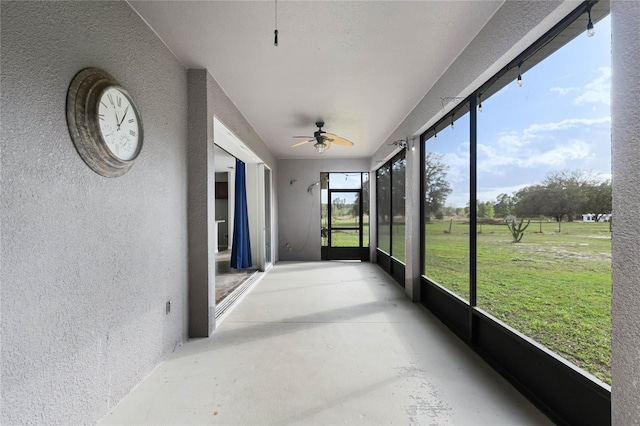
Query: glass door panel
[345,209]
[345,238]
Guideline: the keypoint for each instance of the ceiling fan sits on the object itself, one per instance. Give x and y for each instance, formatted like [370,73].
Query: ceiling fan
[323,140]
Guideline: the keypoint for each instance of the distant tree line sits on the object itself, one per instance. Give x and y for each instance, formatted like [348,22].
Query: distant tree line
[562,195]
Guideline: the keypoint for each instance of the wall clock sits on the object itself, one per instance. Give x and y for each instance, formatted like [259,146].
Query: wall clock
[104,123]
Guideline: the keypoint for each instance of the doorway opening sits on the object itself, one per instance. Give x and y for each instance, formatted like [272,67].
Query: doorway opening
[228,279]
[243,197]
[344,216]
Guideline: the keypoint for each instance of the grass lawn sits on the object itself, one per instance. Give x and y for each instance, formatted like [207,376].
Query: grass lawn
[348,238]
[398,249]
[553,287]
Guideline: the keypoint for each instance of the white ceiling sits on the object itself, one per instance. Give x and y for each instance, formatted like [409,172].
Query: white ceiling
[361,66]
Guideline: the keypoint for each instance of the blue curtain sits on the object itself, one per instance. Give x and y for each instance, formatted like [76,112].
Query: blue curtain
[241,247]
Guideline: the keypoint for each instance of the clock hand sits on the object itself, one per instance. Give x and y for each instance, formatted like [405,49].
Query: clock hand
[117,121]
[125,114]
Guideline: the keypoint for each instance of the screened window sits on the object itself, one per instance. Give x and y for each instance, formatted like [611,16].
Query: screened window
[391,206]
[544,200]
[383,194]
[446,207]
[518,215]
[398,173]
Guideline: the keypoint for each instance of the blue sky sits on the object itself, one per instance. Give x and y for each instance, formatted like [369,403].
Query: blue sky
[559,119]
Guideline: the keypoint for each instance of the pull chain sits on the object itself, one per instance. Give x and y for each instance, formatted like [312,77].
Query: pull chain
[275,33]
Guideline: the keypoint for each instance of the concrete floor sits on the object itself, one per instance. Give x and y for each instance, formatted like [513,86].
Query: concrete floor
[326,343]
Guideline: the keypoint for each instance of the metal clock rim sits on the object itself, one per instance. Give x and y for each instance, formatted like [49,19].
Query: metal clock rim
[82,116]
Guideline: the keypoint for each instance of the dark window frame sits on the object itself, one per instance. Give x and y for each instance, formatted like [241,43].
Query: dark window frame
[362,250]
[390,264]
[400,155]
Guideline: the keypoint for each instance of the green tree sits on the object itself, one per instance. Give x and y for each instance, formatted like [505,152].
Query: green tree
[490,212]
[504,206]
[567,191]
[481,209]
[437,188]
[528,201]
[561,194]
[449,210]
[598,199]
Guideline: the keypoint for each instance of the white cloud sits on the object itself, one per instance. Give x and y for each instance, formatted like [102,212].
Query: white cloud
[511,141]
[564,90]
[458,199]
[598,90]
[491,158]
[570,123]
[506,172]
[515,159]
[491,193]
[559,155]
[458,166]
[499,162]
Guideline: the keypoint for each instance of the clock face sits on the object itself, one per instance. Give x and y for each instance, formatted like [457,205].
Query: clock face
[118,123]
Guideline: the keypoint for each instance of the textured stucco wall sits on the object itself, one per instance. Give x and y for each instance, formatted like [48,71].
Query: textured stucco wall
[413,198]
[201,207]
[625,138]
[299,221]
[87,263]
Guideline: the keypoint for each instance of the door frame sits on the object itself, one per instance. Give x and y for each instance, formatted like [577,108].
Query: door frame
[329,252]
[265,222]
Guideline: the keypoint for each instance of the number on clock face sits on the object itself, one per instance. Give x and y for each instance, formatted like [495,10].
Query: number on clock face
[118,124]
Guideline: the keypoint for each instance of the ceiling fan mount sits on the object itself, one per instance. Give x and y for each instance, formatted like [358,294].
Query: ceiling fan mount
[323,140]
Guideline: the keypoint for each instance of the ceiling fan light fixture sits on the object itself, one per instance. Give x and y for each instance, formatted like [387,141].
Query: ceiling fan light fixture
[322,140]
[320,147]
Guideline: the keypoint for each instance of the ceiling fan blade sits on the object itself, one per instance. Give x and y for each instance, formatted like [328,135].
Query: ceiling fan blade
[304,137]
[302,143]
[327,145]
[338,140]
